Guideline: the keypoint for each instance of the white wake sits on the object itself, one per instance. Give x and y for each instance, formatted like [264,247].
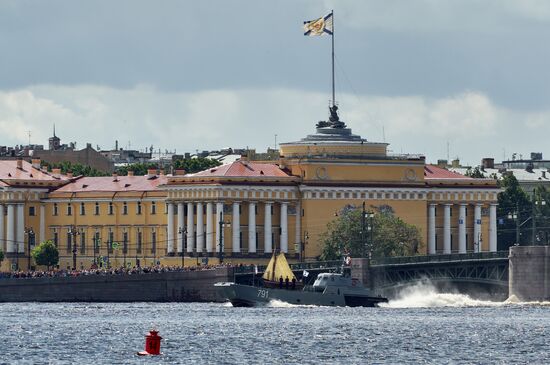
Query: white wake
[425,295]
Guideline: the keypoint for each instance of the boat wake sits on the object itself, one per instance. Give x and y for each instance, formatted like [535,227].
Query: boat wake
[274,303]
[425,295]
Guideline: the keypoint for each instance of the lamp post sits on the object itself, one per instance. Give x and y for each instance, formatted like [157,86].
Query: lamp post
[221,227]
[183,232]
[30,237]
[303,247]
[73,232]
[97,241]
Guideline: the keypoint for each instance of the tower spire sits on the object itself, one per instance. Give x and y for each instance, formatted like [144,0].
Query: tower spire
[54,130]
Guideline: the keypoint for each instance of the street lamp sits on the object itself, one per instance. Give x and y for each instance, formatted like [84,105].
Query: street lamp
[30,239]
[183,232]
[221,227]
[74,232]
[303,246]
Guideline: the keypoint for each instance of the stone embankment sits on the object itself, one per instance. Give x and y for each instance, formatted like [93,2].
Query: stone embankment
[529,273]
[186,286]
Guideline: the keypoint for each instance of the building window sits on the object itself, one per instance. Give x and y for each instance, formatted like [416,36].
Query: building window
[125,208]
[125,242]
[82,242]
[154,243]
[69,209]
[241,241]
[55,238]
[110,242]
[153,208]
[31,212]
[272,210]
[55,210]
[97,242]
[111,208]
[256,209]
[165,208]
[69,241]
[138,208]
[82,209]
[139,241]
[96,211]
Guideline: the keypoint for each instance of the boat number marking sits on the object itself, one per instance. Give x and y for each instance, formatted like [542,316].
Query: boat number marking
[262,293]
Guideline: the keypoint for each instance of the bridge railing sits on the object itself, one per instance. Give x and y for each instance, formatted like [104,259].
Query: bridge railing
[439,258]
[294,267]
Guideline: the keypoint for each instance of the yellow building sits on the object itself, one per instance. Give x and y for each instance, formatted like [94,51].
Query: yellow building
[252,208]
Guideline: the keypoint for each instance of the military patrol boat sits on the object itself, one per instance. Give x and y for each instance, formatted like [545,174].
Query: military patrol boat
[329,289]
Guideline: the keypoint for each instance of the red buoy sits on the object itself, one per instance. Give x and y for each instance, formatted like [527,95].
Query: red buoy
[152,344]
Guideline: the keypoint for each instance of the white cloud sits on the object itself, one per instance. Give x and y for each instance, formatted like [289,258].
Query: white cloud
[473,125]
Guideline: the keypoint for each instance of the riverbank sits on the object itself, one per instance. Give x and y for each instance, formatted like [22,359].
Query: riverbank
[176,286]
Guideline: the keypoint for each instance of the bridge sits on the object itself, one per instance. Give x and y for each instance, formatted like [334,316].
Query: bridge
[483,272]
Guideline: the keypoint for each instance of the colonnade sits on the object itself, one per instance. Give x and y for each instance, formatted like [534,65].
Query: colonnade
[202,229]
[12,227]
[462,228]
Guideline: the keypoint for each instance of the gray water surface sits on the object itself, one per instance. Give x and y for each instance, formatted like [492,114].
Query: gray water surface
[79,333]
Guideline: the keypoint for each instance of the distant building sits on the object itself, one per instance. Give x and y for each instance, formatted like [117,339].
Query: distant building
[123,157]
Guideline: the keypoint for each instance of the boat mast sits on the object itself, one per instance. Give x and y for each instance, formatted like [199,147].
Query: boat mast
[333,89]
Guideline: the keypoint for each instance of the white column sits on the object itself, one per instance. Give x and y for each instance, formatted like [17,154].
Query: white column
[170,227]
[447,229]
[493,228]
[209,227]
[2,231]
[268,243]
[284,227]
[431,230]
[42,232]
[190,228]
[477,228]
[200,227]
[298,233]
[252,227]
[181,226]
[236,225]
[10,229]
[462,229]
[20,233]
[219,218]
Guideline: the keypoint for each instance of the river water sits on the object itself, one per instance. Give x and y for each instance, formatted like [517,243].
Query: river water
[421,327]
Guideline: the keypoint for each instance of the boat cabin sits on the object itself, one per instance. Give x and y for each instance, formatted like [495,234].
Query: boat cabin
[331,280]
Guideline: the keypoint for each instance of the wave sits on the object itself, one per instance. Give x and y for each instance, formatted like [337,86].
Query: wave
[425,295]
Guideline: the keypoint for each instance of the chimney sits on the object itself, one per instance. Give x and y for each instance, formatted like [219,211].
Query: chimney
[36,163]
[243,158]
[69,174]
[130,172]
[179,172]
[56,173]
[20,163]
[442,164]
[488,163]
[151,173]
[161,173]
[115,176]
[455,163]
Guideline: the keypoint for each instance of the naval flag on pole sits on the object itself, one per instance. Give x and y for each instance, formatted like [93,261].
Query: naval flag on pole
[321,26]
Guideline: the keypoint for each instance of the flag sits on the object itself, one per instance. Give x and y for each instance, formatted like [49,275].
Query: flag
[255,269]
[323,25]
[305,274]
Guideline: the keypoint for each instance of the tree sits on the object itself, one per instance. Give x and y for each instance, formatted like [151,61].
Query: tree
[139,169]
[391,236]
[541,214]
[192,165]
[1,255]
[476,173]
[514,208]
[76,168]
[46,254]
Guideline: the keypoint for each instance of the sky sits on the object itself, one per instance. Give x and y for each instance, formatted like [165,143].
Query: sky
[461,79]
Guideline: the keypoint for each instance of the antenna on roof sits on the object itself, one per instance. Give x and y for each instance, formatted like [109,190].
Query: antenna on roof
[29,133]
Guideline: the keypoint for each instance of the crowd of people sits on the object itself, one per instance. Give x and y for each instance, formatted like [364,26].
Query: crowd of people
[136,270]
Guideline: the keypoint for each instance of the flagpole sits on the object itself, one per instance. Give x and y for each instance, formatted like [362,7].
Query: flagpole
[333,93]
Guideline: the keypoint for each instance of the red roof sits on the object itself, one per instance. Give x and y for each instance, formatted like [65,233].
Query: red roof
[243,169]
[110,183]
[434,172]
[9,171]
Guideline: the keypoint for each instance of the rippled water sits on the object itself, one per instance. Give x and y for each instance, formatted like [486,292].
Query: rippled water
[421,327]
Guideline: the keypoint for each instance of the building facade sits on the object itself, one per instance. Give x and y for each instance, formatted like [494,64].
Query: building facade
[245,210]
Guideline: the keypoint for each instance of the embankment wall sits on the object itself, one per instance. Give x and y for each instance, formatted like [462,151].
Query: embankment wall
[191,286]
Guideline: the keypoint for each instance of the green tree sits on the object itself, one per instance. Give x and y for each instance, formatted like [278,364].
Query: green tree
[139,169]
[541,214]
[76,168]
[514,207]
[476,173]
[46,254]
[391,236]
[192,165]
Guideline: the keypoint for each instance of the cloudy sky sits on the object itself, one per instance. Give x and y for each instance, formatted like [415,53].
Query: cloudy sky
[470,78]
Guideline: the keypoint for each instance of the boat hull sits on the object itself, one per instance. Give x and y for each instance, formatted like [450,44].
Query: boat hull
[250,296]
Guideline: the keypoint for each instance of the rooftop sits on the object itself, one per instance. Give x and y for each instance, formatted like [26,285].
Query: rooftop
[243,169]
[115,184]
